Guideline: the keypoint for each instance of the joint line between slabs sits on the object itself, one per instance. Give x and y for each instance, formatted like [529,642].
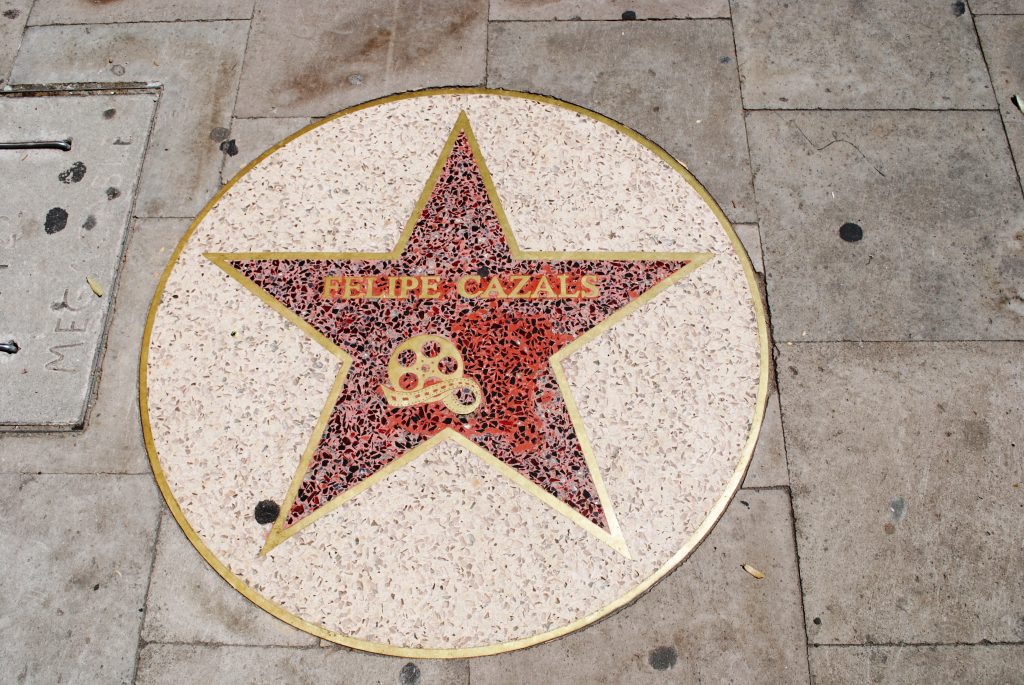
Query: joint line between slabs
[946,341]
[651,20]
[246,645]
[1002,120]
[134,21]
[871,109]
[851,645]
[234,101]
[140,643]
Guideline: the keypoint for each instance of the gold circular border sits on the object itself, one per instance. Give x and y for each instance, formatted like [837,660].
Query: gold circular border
[702,531]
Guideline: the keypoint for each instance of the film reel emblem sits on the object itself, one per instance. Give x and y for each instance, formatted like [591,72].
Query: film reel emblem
[429,368]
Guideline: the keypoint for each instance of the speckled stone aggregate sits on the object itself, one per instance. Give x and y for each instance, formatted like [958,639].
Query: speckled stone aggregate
[446,552]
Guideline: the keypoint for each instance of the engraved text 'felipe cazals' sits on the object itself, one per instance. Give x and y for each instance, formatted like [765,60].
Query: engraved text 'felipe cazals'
[511,286]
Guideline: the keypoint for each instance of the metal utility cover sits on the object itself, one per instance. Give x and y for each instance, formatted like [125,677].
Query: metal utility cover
[64,217]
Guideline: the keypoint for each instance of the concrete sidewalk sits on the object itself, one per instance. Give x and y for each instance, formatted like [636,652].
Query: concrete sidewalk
[884,503]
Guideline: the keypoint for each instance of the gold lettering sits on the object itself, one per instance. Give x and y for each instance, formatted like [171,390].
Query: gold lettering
[371,289]
[563,287]
[519,283]
[543,288]
[589,284]
[494,290]
[461,284]
[406,284]
[429,286]
[348,291]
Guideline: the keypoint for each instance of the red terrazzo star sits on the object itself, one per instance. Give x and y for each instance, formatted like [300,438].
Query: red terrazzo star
[455,334]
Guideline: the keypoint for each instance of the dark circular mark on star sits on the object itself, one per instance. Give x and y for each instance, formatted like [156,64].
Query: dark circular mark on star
[662,658]
[56,220]
[113,193]
[409,675]
[73,174]
[267,511]
[851,232]
[629,15]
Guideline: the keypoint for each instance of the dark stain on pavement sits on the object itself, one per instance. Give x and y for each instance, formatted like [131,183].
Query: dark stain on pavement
[56,220]
[74,174]
[663,658]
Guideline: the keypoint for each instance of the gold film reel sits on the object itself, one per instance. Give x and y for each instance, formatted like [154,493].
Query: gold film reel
[429,368]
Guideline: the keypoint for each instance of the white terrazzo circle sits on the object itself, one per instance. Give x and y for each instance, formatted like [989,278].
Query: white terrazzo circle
[446,553]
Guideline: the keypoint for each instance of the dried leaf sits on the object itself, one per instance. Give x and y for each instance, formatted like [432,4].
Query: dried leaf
[753,571]
[97,289]
[1015,99]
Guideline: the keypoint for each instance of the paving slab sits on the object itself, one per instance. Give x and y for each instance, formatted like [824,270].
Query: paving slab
[189,602]
[858,54]
[63,220]
[316,59]
[768,467]
[674,82]
[175,664]
[13,15]
[198,65]
[941,256]
[997,6]
[966,665]
[546,10]
[906,468]
[708,622]
[750,236]
[1000,39]
[253,137]
[77,552]
[106,12]
[112,440]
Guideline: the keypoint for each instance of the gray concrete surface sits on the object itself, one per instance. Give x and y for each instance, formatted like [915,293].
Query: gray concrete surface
[687,101]
[73,589]
[173,664]
[13,15]
[937,197]
[906,472]
[859,54]
[196,63]
[317,58]
[1000,40]
[885,497]
[907,664]
[531,10]
[45,12]
[64,217]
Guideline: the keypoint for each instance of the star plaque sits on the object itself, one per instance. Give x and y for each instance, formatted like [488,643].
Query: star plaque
[492,363]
